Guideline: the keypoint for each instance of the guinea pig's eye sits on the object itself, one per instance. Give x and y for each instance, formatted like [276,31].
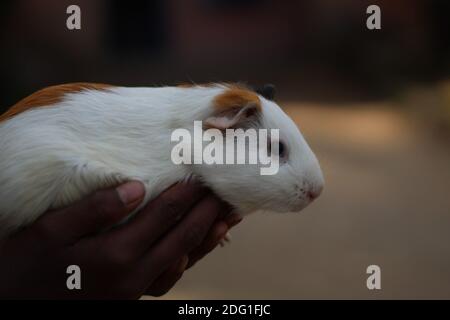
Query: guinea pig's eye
[281,149]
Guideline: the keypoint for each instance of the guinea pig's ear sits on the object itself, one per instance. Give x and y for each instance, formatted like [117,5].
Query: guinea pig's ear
[267,91]
[233,108]
[232,117]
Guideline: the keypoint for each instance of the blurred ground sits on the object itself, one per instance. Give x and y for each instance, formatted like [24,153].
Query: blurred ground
[385,202]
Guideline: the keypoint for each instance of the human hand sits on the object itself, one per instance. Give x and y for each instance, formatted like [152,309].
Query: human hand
[148,254]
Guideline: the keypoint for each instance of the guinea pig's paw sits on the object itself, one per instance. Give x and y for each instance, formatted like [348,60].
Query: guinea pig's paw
[225,239]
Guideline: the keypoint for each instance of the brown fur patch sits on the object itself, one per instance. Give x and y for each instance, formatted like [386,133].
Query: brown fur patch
[49,96]
[236,97]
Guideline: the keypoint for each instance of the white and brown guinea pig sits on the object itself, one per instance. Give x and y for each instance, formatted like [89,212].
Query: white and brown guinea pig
[64,142]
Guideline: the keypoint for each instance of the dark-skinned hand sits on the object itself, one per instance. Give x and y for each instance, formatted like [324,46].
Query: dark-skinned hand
[146,255]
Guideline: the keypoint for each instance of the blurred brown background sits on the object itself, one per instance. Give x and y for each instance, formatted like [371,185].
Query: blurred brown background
[374,105]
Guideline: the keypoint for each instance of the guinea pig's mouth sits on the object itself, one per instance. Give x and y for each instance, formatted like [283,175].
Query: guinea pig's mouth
[305,200]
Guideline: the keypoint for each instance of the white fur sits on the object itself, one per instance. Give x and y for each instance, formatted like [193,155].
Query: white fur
[53,156]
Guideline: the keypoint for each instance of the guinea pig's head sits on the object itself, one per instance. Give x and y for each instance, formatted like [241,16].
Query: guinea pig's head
[291,185]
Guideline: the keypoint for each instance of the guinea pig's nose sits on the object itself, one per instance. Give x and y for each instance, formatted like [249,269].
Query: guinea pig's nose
[314,193]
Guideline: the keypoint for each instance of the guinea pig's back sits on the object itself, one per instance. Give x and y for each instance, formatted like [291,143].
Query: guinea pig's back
[56,149]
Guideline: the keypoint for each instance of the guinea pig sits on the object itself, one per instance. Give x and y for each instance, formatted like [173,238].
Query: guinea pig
[63,142]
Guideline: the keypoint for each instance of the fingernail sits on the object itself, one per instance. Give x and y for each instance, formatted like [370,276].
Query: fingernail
[183,264]
[131,192]
[221,239]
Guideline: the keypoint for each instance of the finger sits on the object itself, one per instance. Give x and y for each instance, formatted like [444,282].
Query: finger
[95,213]
[182,239]
[232,219]
[157,218]
[218,231]
[168,279]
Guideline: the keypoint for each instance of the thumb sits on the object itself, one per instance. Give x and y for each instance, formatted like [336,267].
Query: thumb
[98,211]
